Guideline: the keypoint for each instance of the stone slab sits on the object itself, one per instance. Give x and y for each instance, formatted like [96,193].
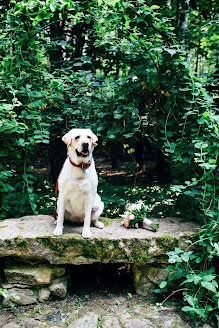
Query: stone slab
[39,275]
[90,320]
[31,237]
[20,296]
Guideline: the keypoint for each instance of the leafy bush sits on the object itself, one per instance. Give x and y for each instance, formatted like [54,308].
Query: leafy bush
[195,272]
[155,94]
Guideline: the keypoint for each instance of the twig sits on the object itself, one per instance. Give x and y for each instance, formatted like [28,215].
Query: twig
[176,291]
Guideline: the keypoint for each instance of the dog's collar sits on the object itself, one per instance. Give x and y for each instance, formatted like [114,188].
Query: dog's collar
[83,166]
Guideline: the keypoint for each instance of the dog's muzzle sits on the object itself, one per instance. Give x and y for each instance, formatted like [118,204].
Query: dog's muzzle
[85,150]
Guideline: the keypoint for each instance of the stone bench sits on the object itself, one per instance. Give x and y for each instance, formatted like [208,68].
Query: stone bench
[34,261]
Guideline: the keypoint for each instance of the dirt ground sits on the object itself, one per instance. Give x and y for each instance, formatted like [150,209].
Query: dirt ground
[120,310]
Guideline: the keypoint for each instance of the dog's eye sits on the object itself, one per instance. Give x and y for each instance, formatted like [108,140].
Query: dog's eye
[89,137]
[77,137]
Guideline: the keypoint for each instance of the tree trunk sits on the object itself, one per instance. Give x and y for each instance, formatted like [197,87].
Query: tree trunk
[197,59]
[184,22]
[56,34]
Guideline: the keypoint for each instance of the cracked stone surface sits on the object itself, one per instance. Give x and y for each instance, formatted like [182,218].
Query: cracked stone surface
[89,320]
[99,311]
[31,237]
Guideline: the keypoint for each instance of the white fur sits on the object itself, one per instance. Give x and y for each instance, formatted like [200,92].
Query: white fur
[78,199]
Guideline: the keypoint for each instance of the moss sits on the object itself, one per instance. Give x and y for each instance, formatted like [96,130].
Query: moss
[7,243]
[20,242]
[106,221]
[97,250]
[136,275]
[167,243]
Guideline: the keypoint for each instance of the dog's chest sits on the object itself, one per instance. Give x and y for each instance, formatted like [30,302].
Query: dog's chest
[78,186]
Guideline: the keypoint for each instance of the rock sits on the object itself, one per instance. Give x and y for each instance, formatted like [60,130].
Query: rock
[11,325]
[31,323]
[149,312]
[110,322]
[20,296]
[173,321]
[157,274]
[43,294]
[59,287]
[88,321]
[143,286]
[31,237]
[128,322]
[9,286]
[40,275]
[2,321]
[146,277]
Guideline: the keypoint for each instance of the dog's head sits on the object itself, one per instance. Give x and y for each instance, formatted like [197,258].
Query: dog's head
[80,141]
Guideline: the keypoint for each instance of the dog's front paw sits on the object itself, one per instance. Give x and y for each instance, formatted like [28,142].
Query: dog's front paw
[86,233]
[58,231]
[99,224]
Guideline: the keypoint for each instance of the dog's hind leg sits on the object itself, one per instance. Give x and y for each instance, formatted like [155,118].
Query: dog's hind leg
[96,212]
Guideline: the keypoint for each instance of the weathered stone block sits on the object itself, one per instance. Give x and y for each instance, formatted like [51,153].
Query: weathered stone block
[40,275]
[144,249]
[146,277]
[174,321]
[25,297]
[110,322]
[43,294]
[6,285]
[11,325]
[128,322]
[59,287]
[90,320]
[113,244]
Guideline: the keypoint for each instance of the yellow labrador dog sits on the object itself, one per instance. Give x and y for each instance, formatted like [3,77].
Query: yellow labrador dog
[78,200]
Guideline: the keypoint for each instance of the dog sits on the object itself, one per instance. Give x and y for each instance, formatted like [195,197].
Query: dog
[78,200]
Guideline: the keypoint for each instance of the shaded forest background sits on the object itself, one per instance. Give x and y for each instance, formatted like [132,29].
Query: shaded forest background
[134,71]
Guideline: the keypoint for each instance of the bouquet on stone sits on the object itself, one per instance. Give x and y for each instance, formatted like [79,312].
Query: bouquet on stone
[135,216]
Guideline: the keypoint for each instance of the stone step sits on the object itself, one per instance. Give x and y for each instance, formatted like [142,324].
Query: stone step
[31,237]
[34,260]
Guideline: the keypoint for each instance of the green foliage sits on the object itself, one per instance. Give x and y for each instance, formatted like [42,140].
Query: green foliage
[7,295]
[154,93]
[194,271]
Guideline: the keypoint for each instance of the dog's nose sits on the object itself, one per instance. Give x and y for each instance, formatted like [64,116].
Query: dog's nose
[85,146]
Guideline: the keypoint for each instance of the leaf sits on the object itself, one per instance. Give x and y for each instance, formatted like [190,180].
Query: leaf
[157,291]
[170,51]
[162,284]
[191,300]
[169,133]
[208,285]
[52,8]
[186,256]
[118,116]
[154,7]
[209,277]
[186,308]
[197,279]
[128,135]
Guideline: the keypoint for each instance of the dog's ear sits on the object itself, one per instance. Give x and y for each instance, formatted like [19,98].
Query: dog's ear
[67,138]
[94,139]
